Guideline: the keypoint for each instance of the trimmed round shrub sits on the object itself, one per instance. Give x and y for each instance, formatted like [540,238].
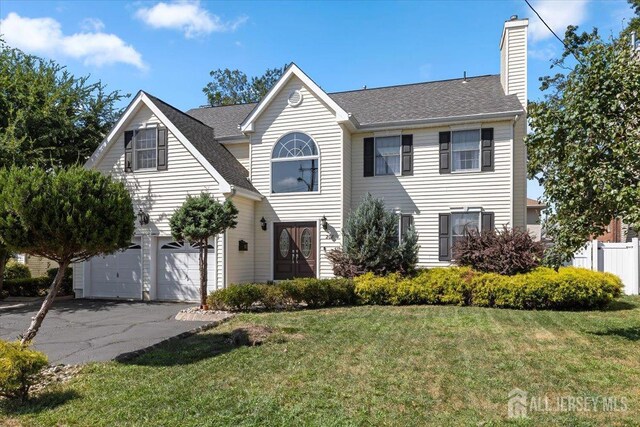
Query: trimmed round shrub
[16,270]
[19,369]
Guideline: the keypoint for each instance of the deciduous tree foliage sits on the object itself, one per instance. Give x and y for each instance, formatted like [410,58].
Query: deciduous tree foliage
[584,148]
[48,116]
[230,87]
[199,219]
[67,215]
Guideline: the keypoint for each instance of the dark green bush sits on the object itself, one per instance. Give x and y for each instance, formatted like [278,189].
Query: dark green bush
[31,287]
[19,369]
[16,270]
[543,288]
[310,291]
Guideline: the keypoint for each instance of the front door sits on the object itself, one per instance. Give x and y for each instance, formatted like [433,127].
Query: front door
[294,250]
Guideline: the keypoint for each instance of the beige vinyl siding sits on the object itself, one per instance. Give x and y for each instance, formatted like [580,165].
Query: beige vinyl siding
[38,266]
[315,119]
[427,193]
[240,151]
[240,263]
[346,174]
[159,193]
[516,66]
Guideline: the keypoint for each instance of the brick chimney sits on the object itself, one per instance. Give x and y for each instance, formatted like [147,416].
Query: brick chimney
[513,58]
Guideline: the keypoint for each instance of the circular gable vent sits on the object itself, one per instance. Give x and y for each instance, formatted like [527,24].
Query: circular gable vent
[295,98]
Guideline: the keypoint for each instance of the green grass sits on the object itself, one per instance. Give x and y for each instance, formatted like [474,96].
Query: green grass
[419,365]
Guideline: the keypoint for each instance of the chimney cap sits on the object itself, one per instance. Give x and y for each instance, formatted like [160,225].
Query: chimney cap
[513,18]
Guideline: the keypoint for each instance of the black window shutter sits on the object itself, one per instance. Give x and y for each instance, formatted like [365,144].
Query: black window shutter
[487,150]
[407,154]
[444,253]
[405,223]
[128,151]
[369,157]
[445,152]
[487,221]
[162,149]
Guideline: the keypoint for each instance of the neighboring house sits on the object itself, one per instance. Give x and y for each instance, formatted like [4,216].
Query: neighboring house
[534,218]
[38,266]
[446,156]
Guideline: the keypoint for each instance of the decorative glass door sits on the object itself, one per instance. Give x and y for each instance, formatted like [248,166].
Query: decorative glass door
[294,250]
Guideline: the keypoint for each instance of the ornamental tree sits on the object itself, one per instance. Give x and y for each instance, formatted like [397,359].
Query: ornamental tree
[66,215]
[199,219]
[585,141]
[371,243]
[4,257]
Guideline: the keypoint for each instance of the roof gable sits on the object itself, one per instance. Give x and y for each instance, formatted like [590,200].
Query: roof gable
[248,124]
[197,137]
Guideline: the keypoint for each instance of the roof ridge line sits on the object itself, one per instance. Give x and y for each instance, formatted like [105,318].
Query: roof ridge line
[413,84]
[180,111]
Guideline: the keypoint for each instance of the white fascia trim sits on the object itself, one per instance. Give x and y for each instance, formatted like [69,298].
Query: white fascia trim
[251,195]
[341,116]
[223,185]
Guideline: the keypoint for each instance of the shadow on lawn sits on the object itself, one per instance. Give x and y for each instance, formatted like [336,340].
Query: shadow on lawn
[189,350]
[45,401]
[630,333]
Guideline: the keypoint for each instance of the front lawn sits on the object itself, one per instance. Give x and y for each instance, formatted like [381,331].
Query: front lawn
[415,365]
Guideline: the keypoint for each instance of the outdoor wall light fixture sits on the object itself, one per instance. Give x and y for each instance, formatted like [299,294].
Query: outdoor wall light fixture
[263,224]
[323,222]
[143,217]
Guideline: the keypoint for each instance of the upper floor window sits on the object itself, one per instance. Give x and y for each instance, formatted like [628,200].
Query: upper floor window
[467,151]
[388,155]
[294,164]
[465,147]
[145,148]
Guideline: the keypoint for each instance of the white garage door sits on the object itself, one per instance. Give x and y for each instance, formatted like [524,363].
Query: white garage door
[179,272]
[118,275]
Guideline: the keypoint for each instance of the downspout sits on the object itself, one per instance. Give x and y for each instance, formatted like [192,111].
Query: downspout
[513,159]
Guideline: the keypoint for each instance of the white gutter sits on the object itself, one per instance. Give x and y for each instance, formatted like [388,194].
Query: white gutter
[440,121]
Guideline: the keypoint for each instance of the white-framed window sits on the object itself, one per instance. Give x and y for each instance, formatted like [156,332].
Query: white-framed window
[465,150]
[463,223]
[295,164]
[145,148]
[388,155]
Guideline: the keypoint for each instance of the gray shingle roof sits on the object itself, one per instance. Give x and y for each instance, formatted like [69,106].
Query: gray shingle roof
[224,120]
[202,138]
[378,106]
[431,100]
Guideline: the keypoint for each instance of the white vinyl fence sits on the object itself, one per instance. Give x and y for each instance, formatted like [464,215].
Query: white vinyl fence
[621,259]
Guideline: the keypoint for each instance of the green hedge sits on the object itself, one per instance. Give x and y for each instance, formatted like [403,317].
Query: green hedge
[16,270]
[38,286]
[312,292]
[543,288]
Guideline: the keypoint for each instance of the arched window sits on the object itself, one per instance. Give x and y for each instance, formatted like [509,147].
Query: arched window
[295,164]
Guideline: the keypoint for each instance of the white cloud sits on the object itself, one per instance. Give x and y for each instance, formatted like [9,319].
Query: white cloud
[44,36]
[92,24]
[188,17]
[558,14]
[546,52]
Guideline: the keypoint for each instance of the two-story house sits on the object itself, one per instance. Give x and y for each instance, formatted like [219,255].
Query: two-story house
[445,156]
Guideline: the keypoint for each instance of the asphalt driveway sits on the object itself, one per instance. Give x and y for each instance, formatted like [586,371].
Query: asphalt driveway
[80,331]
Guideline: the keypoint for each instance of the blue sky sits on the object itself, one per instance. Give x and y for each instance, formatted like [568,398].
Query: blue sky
[168,48]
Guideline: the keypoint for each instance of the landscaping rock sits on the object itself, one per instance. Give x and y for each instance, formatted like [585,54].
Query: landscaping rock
[195,314]
[57,374]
